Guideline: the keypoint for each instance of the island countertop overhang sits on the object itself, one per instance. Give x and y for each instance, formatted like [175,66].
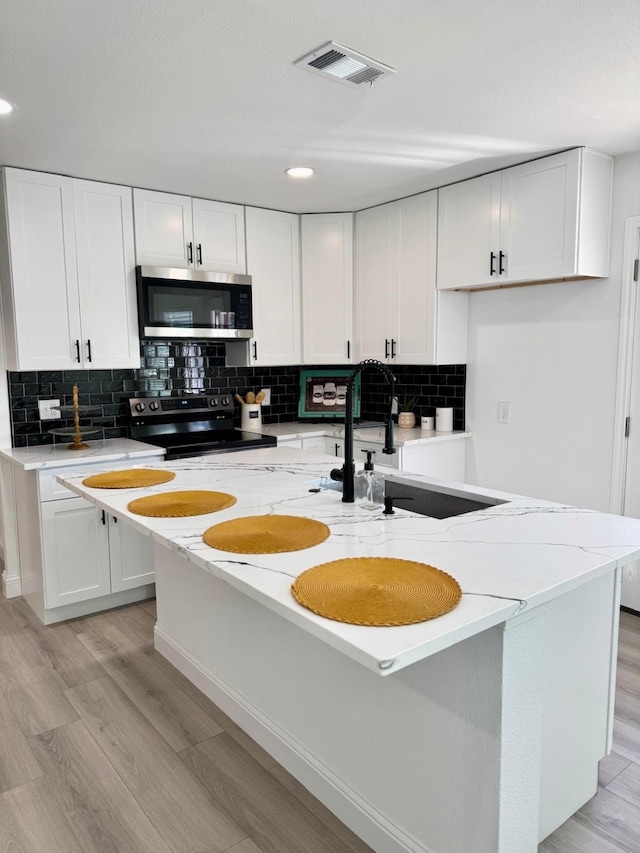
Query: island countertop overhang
[513,556]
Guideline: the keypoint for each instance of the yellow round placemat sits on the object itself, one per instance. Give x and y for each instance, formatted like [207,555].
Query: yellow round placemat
[178,504]
[266,534]
[131,478]
[376,591]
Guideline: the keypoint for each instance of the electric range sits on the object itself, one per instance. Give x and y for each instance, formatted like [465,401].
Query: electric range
[191,426]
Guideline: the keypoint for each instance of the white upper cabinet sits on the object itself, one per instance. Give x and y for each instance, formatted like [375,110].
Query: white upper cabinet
[164,229]
[218,232]
[106,274]
[542,221]
[400,316]
[327,288]
[184,233]
[68,273]
[273,262]
[373,283]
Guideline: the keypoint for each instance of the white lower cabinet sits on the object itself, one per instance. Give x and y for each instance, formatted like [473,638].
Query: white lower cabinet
[444,459]
[130,556]
[87,554]
[69,558]
[334,446]
[314,443]
[75,546]
[393,460]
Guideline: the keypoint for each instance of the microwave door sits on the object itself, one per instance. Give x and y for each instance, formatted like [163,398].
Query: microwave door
[193,306]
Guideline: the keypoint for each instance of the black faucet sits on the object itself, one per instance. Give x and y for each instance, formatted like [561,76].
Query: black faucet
[348,469]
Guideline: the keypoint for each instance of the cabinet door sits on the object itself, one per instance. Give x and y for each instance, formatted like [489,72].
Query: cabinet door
[273,260]
[75,551]
[164,229]
[334,446]
[40,302]
[314,443]
[106,275]
[131,555]
[327,288]
[218,232]
[360,449]
[413,304]
[468,232]
[374,274]
[538,218]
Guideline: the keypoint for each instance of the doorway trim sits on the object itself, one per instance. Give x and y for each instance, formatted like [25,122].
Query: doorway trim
[628,300]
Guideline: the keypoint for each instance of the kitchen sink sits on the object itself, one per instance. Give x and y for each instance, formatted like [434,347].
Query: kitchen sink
[434,502]
[424,499]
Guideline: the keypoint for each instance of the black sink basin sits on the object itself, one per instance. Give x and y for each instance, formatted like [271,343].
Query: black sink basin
[435,504]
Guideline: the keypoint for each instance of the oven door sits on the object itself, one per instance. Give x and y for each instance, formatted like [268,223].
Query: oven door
[176,303]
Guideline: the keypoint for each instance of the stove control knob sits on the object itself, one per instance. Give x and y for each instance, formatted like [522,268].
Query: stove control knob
[213,401]
[154,406]
[140,407]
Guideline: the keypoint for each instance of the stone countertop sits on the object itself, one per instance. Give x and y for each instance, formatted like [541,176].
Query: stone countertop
[507,558]
[58,456]
[375,434]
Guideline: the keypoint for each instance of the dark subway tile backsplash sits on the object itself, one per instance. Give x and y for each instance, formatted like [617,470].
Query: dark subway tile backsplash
[176,373]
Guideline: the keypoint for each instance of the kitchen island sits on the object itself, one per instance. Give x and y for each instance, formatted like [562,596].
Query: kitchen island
[477,731]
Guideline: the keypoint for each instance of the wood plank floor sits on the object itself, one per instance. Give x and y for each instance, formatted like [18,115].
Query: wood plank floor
[106,748]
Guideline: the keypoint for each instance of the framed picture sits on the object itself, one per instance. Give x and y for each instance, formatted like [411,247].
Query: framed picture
[323,394]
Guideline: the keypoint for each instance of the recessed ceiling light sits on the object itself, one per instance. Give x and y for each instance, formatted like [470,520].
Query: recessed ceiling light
[300,171]
[5,107]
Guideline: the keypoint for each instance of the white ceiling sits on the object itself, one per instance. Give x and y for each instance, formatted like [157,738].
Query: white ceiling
[201,97]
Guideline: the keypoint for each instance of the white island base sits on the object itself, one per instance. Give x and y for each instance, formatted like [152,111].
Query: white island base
[484,747]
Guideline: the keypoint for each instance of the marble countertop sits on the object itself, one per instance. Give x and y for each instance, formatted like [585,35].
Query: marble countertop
[58,456]
[507,558]
[301,429]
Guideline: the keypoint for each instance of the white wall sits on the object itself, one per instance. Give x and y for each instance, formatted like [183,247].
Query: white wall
[551,350]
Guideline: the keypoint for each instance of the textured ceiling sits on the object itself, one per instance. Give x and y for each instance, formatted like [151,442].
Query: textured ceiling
[201,97]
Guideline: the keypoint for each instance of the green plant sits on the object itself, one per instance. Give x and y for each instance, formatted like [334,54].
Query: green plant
[407,399]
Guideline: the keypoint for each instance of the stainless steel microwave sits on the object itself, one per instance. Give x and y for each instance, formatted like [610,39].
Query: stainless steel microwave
[177,303]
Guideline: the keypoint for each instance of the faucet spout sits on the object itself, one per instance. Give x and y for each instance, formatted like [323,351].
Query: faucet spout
[348,483]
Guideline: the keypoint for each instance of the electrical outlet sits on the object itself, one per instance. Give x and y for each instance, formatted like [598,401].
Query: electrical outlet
[394,406]
[267,396]
[46,413]
[504,412]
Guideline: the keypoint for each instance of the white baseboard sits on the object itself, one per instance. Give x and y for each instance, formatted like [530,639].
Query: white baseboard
[354,811]
[11,585]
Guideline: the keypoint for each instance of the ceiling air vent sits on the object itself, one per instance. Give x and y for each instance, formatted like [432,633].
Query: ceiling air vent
[343,64]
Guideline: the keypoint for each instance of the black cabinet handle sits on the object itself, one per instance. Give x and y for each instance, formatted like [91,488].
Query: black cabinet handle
[393,348]
[104,517]
[386,348]
[78,351]
[200,253]
[255,350]
[492,266]
[88,349]
[190,252]
[348,349]
[337,449]
[115,520]
[502,256]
